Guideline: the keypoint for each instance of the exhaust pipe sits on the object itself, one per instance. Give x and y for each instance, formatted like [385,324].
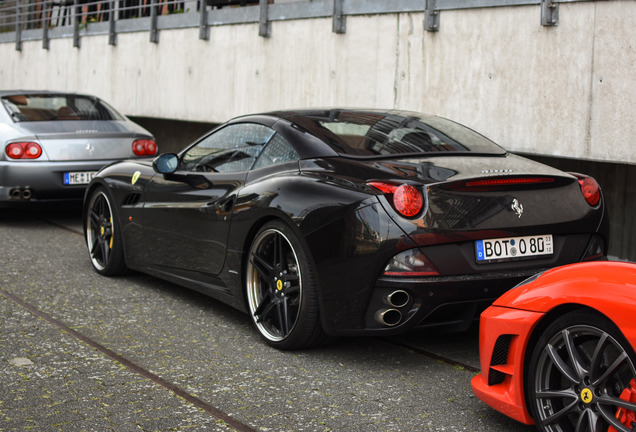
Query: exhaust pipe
[20,193]
[15,193]
[388,317]
[397,298]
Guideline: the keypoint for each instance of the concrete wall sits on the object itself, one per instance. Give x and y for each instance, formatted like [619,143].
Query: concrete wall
[567,91]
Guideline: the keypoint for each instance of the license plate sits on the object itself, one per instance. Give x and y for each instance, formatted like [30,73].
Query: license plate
[513,247]
[80,177]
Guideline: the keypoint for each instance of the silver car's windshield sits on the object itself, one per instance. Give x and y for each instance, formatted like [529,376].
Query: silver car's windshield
[53,107]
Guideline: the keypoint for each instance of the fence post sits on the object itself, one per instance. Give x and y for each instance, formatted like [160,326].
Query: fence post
[18,28]
[549,13]
[431,16]
[112,33]
[75,20]
[204,31]
[46,9]
[264,27]
[154,34]
[339,19]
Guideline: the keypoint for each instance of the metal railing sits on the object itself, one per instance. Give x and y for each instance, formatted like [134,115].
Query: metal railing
[22,20]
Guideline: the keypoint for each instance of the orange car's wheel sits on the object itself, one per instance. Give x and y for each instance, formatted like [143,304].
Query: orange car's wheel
[581,376]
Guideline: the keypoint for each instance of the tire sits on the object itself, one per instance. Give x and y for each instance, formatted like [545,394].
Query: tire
[281,290]
[102,233]
[579,369]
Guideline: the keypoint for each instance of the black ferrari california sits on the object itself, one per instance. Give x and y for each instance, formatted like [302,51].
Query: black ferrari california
[322,223]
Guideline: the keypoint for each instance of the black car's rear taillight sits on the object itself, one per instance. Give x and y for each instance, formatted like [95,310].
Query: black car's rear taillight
[589,188]
[405,199]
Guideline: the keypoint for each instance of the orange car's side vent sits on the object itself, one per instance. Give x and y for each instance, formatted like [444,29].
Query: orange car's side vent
[499,357]
[131,199]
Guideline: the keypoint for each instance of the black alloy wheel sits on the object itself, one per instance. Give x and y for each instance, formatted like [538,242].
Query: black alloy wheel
[581,376]
[102,235]
[281,289]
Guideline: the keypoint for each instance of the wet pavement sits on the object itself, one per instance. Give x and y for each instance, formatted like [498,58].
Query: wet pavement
[80,352]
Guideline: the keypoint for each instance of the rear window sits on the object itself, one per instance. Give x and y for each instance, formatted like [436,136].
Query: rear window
[50,107]
[375,134]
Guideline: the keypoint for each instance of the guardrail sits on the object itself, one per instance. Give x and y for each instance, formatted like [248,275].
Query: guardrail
[22,20]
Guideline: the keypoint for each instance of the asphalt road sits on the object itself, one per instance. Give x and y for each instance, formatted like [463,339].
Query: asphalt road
[80,352]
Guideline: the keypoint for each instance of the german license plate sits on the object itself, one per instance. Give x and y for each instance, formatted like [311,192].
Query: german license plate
[80,177]
[513,247]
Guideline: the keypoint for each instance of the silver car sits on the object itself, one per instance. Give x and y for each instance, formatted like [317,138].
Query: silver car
[53,144]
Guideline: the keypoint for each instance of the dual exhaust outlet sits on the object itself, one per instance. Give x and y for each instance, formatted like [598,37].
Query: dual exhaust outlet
[20,193]
[392,316]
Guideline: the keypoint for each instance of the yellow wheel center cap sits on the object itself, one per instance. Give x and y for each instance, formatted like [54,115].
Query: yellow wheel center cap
[279,284]
[587,395]
[101,230]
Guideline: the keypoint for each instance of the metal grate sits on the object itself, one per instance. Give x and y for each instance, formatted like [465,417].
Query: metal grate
[499,357]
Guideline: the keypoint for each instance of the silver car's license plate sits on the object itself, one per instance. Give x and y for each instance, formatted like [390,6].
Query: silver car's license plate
[513,247]
[80,177]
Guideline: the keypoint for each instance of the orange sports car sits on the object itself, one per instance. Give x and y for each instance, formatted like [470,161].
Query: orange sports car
[558,349]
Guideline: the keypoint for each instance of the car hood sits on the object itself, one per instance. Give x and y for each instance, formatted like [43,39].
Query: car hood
[607,284]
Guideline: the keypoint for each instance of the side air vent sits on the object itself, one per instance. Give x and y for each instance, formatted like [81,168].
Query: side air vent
[131,200]
[499,357]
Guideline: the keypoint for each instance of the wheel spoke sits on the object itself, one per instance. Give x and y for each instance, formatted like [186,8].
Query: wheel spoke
[606,400]
[561,365]
[105,251]
[579,368]
[95,217]
[265,305]
[613,369]
[279,255]
[608,413]
[263,268]
[95,245]
[597,357]
[282,318]
[560,414]
[587,421]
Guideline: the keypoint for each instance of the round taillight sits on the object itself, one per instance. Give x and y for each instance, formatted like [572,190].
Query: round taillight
[408,200]
[590,190]
[151,147]
[144,147]
[23,150]
[14,151]
[32,150]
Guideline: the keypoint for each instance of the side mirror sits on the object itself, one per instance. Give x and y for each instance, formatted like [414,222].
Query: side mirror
[166,163]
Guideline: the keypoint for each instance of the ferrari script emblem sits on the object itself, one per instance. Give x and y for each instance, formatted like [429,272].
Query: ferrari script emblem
[517,207]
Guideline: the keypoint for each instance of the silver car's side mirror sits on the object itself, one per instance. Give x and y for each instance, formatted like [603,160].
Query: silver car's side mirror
[166,163]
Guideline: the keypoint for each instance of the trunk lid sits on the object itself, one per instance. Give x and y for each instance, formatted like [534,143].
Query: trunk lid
[81,140]
[474,197]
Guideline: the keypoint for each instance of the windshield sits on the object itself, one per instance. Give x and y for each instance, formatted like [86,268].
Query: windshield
[48,107]
[373,134]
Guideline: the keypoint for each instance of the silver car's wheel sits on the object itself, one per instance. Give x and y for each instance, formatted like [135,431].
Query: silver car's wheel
[280,288]
[102,235]
[581,376]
